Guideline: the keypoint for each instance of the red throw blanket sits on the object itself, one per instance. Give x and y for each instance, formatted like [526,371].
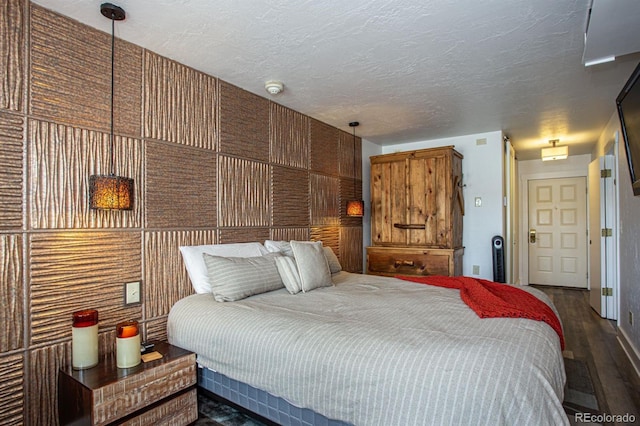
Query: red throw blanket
[493,300]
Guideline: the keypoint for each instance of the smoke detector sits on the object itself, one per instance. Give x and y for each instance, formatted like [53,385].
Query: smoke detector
[274,87]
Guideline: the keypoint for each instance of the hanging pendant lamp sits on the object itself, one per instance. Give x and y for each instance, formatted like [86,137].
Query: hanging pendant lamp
[355,208]
[111,192]
[555,152]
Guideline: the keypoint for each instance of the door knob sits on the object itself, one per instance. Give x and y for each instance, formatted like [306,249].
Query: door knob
[532,236]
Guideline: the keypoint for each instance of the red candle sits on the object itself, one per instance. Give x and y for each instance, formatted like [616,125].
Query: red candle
[84,339]
[127,329]
[85,318]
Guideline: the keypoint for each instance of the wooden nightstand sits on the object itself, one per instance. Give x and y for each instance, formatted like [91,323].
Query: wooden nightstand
[157,392]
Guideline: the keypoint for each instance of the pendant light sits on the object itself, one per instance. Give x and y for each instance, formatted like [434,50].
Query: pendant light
[355,208]
[111,192]
[555,152]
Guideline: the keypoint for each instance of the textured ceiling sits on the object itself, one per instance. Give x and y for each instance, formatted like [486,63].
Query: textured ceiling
[407,70]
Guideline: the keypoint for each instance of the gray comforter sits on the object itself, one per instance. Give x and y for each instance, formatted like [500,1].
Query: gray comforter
[380,351]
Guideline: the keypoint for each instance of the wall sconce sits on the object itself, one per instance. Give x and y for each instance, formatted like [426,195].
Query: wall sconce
[555,152]
[111,192]
[355,208]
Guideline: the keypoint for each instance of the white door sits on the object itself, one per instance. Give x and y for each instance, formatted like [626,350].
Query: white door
[602,236]
[557,235]
[511,248]
[595,285]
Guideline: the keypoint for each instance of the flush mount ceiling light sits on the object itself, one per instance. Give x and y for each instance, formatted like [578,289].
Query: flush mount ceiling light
[355,208]
[555,152]
[111,192]
[274,87]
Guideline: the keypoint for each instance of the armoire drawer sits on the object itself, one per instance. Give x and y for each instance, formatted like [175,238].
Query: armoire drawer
[392,261]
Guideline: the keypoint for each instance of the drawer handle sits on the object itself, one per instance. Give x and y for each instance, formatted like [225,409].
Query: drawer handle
[409,225]
[399,263]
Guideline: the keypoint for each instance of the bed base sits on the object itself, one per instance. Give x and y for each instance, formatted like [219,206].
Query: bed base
[261,402]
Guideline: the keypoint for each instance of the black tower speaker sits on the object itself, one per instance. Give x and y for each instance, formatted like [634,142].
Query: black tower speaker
[497,249]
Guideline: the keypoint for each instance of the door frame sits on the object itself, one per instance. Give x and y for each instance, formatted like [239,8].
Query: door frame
[570,172]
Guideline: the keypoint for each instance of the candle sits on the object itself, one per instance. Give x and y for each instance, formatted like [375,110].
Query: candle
[127,344]
[84,339]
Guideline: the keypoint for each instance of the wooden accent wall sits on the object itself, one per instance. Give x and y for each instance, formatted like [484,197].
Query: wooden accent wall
[212,163]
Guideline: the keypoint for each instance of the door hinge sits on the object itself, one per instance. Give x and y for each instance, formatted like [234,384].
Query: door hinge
[607,232]
[605,173]
[606,291]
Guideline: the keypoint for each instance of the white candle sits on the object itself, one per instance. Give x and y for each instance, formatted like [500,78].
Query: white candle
[127,344]
[128,351]
[84,339]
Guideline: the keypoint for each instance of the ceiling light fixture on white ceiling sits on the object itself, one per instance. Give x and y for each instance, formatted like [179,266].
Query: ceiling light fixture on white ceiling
[274,87]
[555,152]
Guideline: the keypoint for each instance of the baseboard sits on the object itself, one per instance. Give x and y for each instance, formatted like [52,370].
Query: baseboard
[632,353]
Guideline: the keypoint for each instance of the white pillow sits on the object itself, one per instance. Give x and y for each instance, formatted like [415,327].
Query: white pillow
[312,265]
[332,259]
[196,268]
[283,247]
[288,271]
[234,278]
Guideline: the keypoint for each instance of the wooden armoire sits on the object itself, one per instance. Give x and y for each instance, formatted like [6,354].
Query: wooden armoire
[416,213]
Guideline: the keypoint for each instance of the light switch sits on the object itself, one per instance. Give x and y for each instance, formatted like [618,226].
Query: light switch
[132,293]
[478,202]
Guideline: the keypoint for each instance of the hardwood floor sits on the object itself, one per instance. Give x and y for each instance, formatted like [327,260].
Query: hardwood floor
[593,339]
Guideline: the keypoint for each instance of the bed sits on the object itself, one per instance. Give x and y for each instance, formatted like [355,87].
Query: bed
[371,350]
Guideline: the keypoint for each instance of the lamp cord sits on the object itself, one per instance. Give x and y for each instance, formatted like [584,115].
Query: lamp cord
[113,43]
[355,195]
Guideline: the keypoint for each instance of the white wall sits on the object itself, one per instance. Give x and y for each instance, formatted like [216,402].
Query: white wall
[574,166]
[482,169]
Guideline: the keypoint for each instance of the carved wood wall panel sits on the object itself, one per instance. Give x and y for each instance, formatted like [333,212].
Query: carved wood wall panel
[290,196]
[80,270]
[346,149]
[243,235]
[166,279]
[289,137]
[244,193]
[156,329]
[61,159]
[11,169]
[351,251]
[12,315]
[180,186]
[70,75]
[11,390]
[180,103]
[324,148]
[329,235]
[12,59]
[288,234]
[244,123]
[42,399]
[325,200]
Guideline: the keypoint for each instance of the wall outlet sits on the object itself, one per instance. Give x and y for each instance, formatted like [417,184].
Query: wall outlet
[476,269]
[478,201]
[132,293]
